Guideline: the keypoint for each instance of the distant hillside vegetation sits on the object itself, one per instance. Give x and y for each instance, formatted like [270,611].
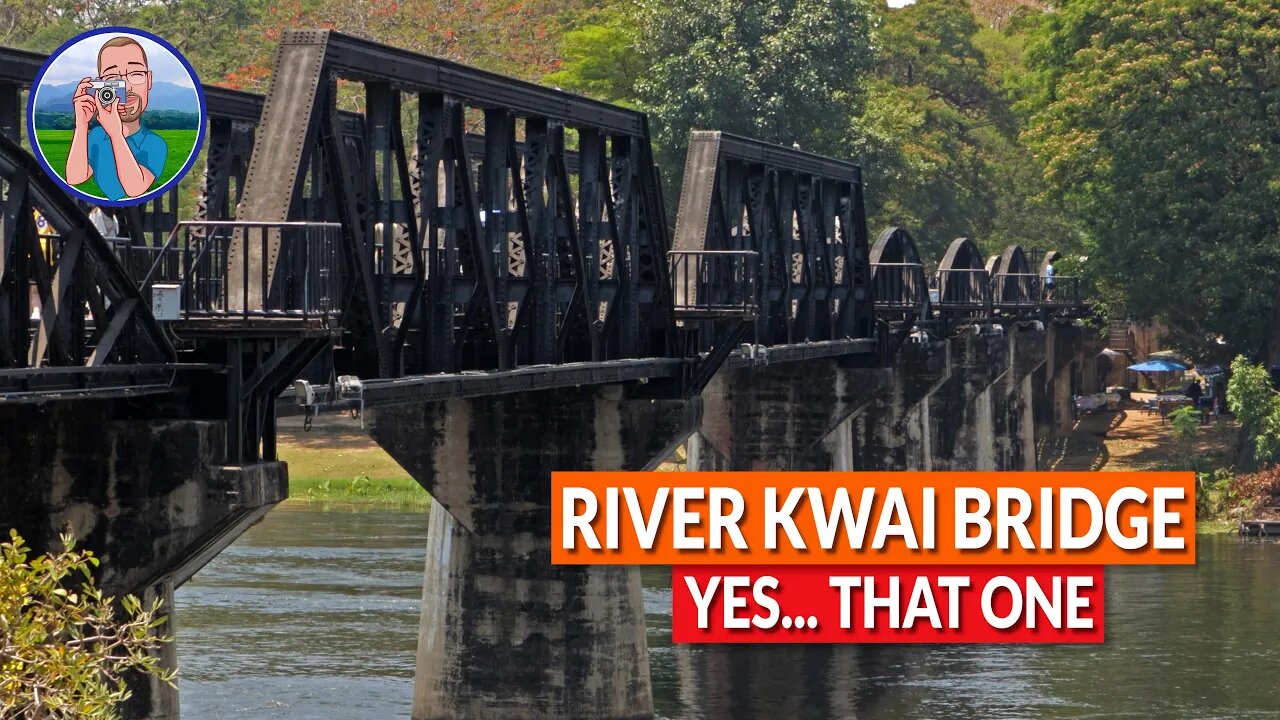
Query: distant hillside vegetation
[154,119]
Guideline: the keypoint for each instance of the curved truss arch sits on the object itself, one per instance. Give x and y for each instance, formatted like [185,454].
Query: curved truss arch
[898,277]
[963,284]
[1050,256]
[1014,285]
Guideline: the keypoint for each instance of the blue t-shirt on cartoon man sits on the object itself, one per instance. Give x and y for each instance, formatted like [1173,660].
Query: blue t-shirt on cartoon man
[149,149]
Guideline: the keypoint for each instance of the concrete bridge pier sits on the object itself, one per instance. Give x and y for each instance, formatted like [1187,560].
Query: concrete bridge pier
[505,634]
[151,498]
[791,416]
[961,417]
[893,432]
[1012,399]
[1057,387]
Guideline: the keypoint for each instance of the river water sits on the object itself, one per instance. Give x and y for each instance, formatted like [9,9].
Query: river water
[313,615]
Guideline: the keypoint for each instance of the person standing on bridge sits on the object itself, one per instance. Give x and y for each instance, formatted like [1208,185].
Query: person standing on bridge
[1048,281]
[120,152]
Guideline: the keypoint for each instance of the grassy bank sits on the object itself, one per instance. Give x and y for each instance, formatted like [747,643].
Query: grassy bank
[336,462]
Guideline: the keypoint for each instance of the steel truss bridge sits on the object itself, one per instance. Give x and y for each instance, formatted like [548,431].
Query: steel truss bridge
[465,234]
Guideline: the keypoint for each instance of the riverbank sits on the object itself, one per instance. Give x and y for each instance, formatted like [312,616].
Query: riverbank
[337,463]
[1133,440]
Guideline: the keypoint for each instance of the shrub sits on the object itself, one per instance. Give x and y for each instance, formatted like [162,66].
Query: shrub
[1256,406]
[1215,496]
[1258,488]
[64,647]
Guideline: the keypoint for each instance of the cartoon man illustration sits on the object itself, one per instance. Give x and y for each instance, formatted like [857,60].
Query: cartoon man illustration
[120,151]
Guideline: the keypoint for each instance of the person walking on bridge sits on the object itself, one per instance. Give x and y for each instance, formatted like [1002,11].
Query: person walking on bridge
[1048,281]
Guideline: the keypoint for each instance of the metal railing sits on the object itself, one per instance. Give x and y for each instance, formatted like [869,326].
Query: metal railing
[1065,293]
[246,269]
[964,290]
[714,284]
[899,287]
[1016,290]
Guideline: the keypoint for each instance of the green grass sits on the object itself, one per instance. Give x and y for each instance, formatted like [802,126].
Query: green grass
[56,144]
[359,490]
[1219,526]
[340,464]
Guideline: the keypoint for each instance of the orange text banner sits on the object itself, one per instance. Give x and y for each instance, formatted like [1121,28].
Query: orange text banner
[665,518]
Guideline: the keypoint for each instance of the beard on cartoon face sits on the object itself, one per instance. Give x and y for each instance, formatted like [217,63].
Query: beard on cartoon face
[132,108]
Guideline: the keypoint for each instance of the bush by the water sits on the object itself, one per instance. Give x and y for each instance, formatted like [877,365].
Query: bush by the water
[1256,406]
[1258,489]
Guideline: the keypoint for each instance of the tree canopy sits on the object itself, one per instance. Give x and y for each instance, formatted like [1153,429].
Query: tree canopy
[1156,123]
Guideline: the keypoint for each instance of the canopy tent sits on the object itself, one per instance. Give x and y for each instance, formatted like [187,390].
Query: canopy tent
[1160,365]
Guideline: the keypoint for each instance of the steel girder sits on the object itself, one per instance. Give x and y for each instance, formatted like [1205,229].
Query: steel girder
[802,214]
[466,253]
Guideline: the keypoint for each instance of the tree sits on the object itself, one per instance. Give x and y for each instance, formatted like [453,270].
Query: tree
[933,126]
[782,71]
[1186,427]
[1256,406]
[64,651]
[999,13]
[1155,120]
[601,58]
[208,32]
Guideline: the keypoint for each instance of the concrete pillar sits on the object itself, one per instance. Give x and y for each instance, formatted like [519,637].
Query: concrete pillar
[505,634]
[892,433]
[784,416]
[150,498]
[961,426]
[1063,358]
[1012,397]
[701,455]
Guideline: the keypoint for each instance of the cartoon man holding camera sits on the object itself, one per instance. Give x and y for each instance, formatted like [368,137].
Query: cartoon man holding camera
[120,151]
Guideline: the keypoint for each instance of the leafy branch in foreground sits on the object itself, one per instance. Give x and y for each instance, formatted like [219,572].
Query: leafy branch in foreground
[65,649]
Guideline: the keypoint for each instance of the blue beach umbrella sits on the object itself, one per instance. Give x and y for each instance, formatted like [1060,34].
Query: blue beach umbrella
[1159,365]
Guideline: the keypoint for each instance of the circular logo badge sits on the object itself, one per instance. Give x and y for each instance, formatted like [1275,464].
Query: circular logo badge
[116,116]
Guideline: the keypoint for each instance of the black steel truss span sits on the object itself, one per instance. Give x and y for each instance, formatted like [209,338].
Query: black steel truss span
[963,285]
[465,253]
[799,220]
[1015,287]
[90,313]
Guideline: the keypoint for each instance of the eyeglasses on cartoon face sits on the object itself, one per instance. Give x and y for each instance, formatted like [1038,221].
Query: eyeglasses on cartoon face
[137,77]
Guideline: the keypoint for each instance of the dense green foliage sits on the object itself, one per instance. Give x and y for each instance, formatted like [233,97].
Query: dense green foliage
[1156,122]
[909,93]
[64,648]
[1256,406]
[785,71]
